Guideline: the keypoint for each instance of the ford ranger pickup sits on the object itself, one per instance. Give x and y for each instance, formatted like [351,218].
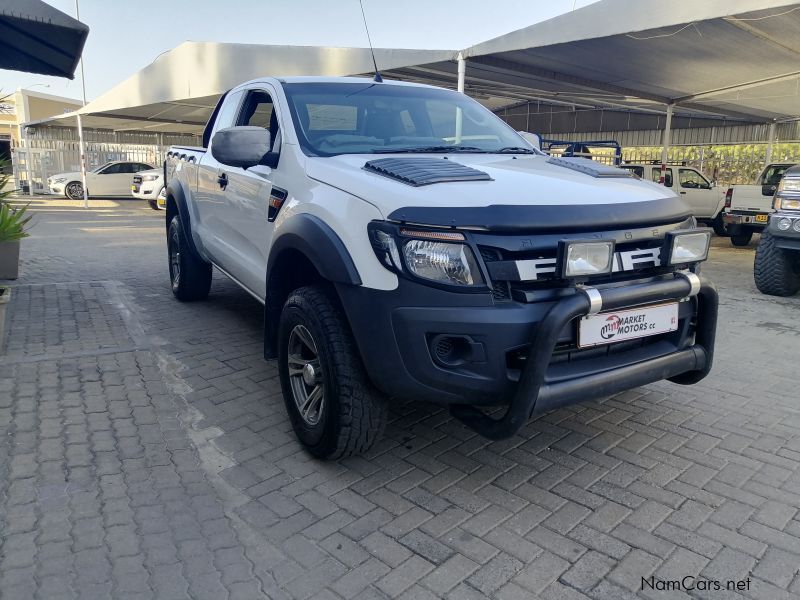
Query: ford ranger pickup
[407,244]
[777,264]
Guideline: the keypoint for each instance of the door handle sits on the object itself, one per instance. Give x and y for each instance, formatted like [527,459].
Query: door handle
[684,193]
[222,180]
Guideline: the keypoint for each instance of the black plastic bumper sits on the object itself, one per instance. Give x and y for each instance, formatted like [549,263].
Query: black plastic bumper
[393,331]
[787,239]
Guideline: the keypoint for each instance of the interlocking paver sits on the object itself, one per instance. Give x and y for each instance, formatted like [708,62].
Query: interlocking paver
[142,455]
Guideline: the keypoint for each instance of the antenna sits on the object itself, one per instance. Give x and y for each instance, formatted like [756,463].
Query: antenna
[377,78]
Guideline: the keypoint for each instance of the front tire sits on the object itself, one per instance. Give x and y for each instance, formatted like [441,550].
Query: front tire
[740,240]
[74,190]
[153,204]
[334,408]
[775,270]
[189,275]
[718,225]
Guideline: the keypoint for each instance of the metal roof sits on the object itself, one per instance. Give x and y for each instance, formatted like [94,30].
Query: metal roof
[37,38]
[738,58]
[734,58]
[177,91]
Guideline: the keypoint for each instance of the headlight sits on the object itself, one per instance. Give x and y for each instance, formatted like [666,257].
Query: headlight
[786,203]
[59,180]
[442,262]
[581,257]
[788,184]
[688,246]
[784,224]
[150,177]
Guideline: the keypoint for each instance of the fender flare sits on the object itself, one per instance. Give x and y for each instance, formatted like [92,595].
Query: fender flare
[176,192]
[320,244]
[312,237]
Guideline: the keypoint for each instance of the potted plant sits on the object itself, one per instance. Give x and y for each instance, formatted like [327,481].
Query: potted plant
[13,227]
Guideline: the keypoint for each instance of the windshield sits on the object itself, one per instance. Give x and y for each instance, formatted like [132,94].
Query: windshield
[367,118]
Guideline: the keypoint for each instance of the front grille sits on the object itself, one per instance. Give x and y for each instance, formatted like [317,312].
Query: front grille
[137,179]
[504,289]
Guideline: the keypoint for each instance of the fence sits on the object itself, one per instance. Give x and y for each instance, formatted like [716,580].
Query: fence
[52,150]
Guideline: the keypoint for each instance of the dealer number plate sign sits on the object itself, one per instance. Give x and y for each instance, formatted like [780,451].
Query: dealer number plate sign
[610,327]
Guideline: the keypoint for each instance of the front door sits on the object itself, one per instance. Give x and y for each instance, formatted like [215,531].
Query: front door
[697,192]
[247,197]
[113,180]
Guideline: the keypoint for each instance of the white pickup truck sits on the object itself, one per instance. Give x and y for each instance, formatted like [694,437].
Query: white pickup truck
[747,207]
[704,198]
[406,243]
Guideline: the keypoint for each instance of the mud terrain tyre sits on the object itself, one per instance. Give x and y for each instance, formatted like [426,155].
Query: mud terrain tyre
[776,271]
[189,275]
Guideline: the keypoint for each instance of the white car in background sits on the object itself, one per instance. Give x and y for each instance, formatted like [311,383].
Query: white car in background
[110,179]
[705,199]
[149,185]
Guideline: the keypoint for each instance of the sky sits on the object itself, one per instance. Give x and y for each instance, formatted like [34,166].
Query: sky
[126,36]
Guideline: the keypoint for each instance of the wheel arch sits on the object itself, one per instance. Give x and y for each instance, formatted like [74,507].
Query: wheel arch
[305,252]
[176,205]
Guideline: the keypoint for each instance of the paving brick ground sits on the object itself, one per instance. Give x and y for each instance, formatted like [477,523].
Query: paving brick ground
[145,452]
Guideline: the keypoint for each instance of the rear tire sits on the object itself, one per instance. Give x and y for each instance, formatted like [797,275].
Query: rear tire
[189,275]
[775,270]
[741,240]
[718,225]
[334,408]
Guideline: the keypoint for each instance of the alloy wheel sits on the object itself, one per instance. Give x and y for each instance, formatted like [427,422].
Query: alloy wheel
[305,375]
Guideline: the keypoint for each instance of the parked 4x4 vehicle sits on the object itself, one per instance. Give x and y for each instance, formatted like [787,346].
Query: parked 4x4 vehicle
[777,263]
[704,198]
[148,185]
[407,243]
[747,207]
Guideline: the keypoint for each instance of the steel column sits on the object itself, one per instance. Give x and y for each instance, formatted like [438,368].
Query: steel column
[82,152]
[665,145]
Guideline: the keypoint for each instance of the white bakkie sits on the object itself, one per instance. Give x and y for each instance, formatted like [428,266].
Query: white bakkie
[407,244]
[748,207]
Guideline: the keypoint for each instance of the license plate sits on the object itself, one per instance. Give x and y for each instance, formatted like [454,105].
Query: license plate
[762,218]
[134,188]
[610,327]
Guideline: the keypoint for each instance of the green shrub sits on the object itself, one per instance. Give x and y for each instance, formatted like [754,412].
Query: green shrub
[13,220]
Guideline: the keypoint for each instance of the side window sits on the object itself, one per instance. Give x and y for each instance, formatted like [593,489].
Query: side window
[142,167]
[114,169]
[656,175]
[689,178]
[129,168]
[227,114]
[638,171]
[259,111]
[774,174]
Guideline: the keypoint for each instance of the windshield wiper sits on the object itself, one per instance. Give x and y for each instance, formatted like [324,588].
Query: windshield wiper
[431,149]
[515,150]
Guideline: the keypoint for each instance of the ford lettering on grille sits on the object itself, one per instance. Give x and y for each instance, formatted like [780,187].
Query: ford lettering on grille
[629,260]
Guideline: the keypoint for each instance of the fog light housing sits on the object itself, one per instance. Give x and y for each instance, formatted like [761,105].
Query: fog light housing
[583,258]
[784,224]
[687,246]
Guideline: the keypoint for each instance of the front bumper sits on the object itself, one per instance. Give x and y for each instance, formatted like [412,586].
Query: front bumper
[788,239]
[57,189]
[745,220]
[523,355]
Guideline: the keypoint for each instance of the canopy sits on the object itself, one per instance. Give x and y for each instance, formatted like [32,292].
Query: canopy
[37,38]
[735,58]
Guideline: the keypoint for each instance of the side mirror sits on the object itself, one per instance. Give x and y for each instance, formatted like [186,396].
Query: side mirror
[533,139]
[242,147]
[768,190]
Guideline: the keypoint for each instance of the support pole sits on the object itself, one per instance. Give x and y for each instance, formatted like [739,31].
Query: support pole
[665,146]
[462,71]
[770,143]
[82,151]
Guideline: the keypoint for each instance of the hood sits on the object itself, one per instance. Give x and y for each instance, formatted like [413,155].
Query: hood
[68,175]
[521,190]
[150,172]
